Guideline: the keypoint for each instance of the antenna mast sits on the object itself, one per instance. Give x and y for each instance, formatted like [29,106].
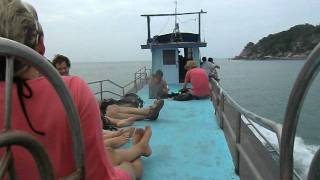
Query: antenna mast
[176,31]
[175,17]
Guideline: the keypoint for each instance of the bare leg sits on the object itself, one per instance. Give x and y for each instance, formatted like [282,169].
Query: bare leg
[115,109]
[123,122]
[130,110]
[141,148]
[126,116]
[135,168]
[118,141]
[111,134]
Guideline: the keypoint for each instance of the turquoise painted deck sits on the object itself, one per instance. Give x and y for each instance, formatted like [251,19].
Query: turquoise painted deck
[187,143]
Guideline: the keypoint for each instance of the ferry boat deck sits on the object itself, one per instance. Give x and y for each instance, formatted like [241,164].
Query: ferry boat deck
[187,142]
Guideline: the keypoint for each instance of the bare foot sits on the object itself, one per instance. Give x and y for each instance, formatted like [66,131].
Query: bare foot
[116,142]
[144,142]
[138,134]
[111,134]
[125,122]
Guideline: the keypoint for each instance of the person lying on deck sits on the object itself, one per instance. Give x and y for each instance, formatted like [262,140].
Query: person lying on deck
[31,113]
[126,116]
[199,80]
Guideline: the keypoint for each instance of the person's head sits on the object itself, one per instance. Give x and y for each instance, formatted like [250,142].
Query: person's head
[190,64]
[204,59]
[62,64]
[19,22]
[158,75]
[210,59]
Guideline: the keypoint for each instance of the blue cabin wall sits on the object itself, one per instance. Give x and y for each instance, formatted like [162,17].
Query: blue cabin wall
[196,55]
[171,72]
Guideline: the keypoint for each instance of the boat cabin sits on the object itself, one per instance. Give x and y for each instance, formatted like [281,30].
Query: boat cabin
[171,51]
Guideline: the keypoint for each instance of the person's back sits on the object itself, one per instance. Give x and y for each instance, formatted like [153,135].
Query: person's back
[44,116]
[208,67]
[47,115]
[199,80]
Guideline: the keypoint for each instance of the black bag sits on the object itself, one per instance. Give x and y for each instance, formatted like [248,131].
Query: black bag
[131,100]
[183,97]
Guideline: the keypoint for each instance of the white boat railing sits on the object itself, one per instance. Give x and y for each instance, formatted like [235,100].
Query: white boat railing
[141,77]
[254,159]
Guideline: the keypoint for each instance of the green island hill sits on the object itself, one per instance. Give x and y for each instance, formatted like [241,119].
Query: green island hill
[293,44]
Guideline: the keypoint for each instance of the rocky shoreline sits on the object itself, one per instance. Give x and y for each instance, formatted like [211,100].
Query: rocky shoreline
[293,44]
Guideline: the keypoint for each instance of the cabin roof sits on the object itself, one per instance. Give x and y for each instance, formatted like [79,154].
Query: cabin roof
[174,40]
[187,142]
[174,45]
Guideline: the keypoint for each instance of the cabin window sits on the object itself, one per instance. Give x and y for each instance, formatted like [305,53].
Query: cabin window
[169,57]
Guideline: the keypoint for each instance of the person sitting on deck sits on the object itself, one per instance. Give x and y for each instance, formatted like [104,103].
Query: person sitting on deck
[158,86]
[126,116]
[199,80]
[214,75]
[62,64]
[208,66]
[31,113]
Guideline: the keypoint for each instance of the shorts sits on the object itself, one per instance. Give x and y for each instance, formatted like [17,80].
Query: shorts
[121,174]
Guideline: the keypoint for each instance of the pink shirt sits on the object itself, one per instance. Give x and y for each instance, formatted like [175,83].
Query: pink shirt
[47,115]
[199,80]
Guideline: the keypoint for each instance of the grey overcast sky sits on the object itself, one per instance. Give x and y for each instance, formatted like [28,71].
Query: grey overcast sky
[104,30]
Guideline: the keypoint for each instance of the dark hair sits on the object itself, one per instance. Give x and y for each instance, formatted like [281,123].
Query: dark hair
[58,59]
[159,73]
[210,59]
[204,59]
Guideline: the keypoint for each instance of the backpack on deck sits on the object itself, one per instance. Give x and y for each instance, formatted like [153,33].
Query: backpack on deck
[130,100]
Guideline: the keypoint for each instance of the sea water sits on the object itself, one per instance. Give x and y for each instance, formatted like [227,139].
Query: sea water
[262,87]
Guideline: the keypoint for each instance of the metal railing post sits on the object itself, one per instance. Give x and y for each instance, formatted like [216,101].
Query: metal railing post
[101,92]
[145,74]
[135,82]
[221,110]
[296,99]
[238,132]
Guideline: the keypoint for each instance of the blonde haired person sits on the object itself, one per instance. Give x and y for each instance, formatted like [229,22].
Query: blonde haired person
[199,80]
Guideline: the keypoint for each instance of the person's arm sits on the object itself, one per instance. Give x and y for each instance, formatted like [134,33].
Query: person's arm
[186,80]
[165,87]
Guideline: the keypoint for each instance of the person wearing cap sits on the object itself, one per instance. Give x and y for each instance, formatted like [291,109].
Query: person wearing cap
[38,110]
[62,64]
[199,80]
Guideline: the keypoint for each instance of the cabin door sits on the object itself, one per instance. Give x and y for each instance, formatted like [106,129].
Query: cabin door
[170,66]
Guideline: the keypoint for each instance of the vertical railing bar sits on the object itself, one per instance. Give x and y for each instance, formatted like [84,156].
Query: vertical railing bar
[221,110]
[8,92]
[135,82]
[12,171]
[101,91]
[238,133]
[4,163]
